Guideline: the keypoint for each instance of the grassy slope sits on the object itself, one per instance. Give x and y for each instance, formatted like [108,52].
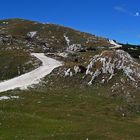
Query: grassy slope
[13,61]
[66,111]
[51,34]
[62,110]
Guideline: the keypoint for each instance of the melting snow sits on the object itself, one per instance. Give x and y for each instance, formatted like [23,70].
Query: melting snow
[115,44]
[8,97]
[67,40]
[33,77]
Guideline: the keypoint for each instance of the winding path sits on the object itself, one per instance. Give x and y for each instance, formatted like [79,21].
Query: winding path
[33,77]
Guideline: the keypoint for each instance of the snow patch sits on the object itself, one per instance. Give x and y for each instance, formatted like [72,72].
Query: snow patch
[116,45]
[67,40]
[33,77]
[8,97]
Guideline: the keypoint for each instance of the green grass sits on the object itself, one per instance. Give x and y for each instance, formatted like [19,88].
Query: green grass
[62,108]
[67,109]
[51,34]
[65,114]
[11,62]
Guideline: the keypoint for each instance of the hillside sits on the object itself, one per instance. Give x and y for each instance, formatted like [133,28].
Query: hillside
[93,94]
[35,36]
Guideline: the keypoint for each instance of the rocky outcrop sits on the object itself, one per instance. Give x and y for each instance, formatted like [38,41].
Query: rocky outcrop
[73,71]
[6,39]
[107,65]
[73,47]
[109,62]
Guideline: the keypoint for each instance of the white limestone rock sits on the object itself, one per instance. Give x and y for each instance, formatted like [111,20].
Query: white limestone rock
[31,34]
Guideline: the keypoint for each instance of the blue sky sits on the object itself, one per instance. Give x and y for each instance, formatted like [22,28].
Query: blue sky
[114,19]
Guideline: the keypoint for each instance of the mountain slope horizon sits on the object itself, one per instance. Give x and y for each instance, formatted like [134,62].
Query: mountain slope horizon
[72,28]
[94,94]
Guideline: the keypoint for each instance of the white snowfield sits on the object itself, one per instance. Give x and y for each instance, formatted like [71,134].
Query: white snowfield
[115,44]
[33,77]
